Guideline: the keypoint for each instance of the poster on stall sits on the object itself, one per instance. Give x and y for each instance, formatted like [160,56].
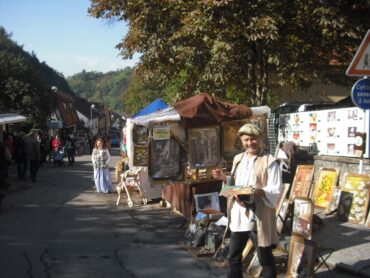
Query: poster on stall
[332,132]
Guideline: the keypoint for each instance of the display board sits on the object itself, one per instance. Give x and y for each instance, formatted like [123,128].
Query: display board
[332,132]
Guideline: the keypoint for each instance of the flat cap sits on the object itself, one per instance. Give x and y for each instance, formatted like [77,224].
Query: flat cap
[251,130]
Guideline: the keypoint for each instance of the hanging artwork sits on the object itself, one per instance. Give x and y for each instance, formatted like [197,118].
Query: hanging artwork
[164,159]
[141,156]
[204,147]
[324,187]
[140,135]
[358,185]
[302,217]
[302,255]
[231,144]
[302,181]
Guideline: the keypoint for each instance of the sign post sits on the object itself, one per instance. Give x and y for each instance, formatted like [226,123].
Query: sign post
[360,65]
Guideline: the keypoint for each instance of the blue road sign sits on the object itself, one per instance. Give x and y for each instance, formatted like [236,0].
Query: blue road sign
[361,93]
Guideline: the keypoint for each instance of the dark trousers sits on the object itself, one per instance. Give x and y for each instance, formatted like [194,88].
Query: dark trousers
[21,168]
[71,157]
[34,167]
[238,240]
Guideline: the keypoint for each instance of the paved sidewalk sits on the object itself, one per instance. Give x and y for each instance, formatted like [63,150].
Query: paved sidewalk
[351,244]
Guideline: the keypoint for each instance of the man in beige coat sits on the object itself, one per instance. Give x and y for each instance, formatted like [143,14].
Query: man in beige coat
[255,221]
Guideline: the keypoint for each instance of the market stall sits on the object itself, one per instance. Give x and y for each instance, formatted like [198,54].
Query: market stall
[177,147]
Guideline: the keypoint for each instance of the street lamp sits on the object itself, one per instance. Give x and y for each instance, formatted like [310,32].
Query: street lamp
[91,124]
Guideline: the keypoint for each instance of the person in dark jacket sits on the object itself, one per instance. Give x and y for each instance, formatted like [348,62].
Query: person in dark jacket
[33,154]
[20,155]
[71,150]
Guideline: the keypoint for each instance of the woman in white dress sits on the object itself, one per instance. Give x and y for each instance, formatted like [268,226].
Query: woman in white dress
[100,158]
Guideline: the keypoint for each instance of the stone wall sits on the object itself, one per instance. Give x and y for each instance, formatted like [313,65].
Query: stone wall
[343,164]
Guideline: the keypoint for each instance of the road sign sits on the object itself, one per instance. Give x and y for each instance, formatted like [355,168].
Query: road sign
[360,65]
[361,93]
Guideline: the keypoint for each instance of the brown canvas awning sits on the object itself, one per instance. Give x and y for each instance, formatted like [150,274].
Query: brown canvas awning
[203,109]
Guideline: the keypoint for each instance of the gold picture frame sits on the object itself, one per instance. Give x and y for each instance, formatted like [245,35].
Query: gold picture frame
[324,187]
[302,217]
[301,185]
[358,184]
[302,255]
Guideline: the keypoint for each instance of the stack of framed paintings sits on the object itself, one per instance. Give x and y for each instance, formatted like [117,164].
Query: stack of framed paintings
[358,185]
[324,187]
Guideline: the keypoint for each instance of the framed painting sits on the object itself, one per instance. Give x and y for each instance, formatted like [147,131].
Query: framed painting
[165,161]
[302,217]
[204,147]
[301,261]
[334,200]
[141,156]
[281,216]
[231,144]
[358,185]
[324,187]
[301,186]
[282,197]
[140,135]
[344,205]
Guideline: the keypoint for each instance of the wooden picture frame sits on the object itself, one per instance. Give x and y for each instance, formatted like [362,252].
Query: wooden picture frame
[301,185]
[324,187]
[358,185]
[344,205]
[165,161]
[302,217]
[204,147]
[333,205]
[302,255]
[140,156]
[367,222]
[140,135]
[231,144]
[281,216]
[282,197]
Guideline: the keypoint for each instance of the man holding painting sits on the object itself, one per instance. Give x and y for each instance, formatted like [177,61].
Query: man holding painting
[256,221]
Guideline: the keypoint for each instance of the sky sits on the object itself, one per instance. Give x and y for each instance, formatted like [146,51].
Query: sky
[62,35]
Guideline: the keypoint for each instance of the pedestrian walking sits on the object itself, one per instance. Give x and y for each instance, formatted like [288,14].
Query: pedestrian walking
[33,154]
[100,159]
[20,155]
[255,221]
[70,148]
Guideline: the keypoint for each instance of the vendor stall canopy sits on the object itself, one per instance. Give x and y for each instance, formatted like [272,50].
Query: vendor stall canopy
[152,107]
[11,118]
[203,109]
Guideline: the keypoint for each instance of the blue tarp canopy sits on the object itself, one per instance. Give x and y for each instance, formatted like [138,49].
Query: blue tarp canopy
[152,107]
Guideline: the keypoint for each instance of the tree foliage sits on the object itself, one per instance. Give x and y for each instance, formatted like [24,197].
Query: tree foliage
[25,83]
[236,49]
[107,88]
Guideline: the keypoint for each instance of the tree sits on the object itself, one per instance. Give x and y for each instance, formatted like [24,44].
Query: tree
[237,49]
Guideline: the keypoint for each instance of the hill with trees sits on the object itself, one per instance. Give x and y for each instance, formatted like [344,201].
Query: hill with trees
[25,82]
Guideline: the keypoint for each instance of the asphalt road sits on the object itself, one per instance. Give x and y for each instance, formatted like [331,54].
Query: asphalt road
[60,227]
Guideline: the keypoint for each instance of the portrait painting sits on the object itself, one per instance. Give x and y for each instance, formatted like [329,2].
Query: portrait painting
[302,255]
[332,116]
[358,185]
[324,187]
[281,215]
[204,147]
[302,217]
[302,181]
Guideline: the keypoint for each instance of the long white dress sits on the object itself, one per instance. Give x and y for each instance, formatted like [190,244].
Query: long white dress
[100,159]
